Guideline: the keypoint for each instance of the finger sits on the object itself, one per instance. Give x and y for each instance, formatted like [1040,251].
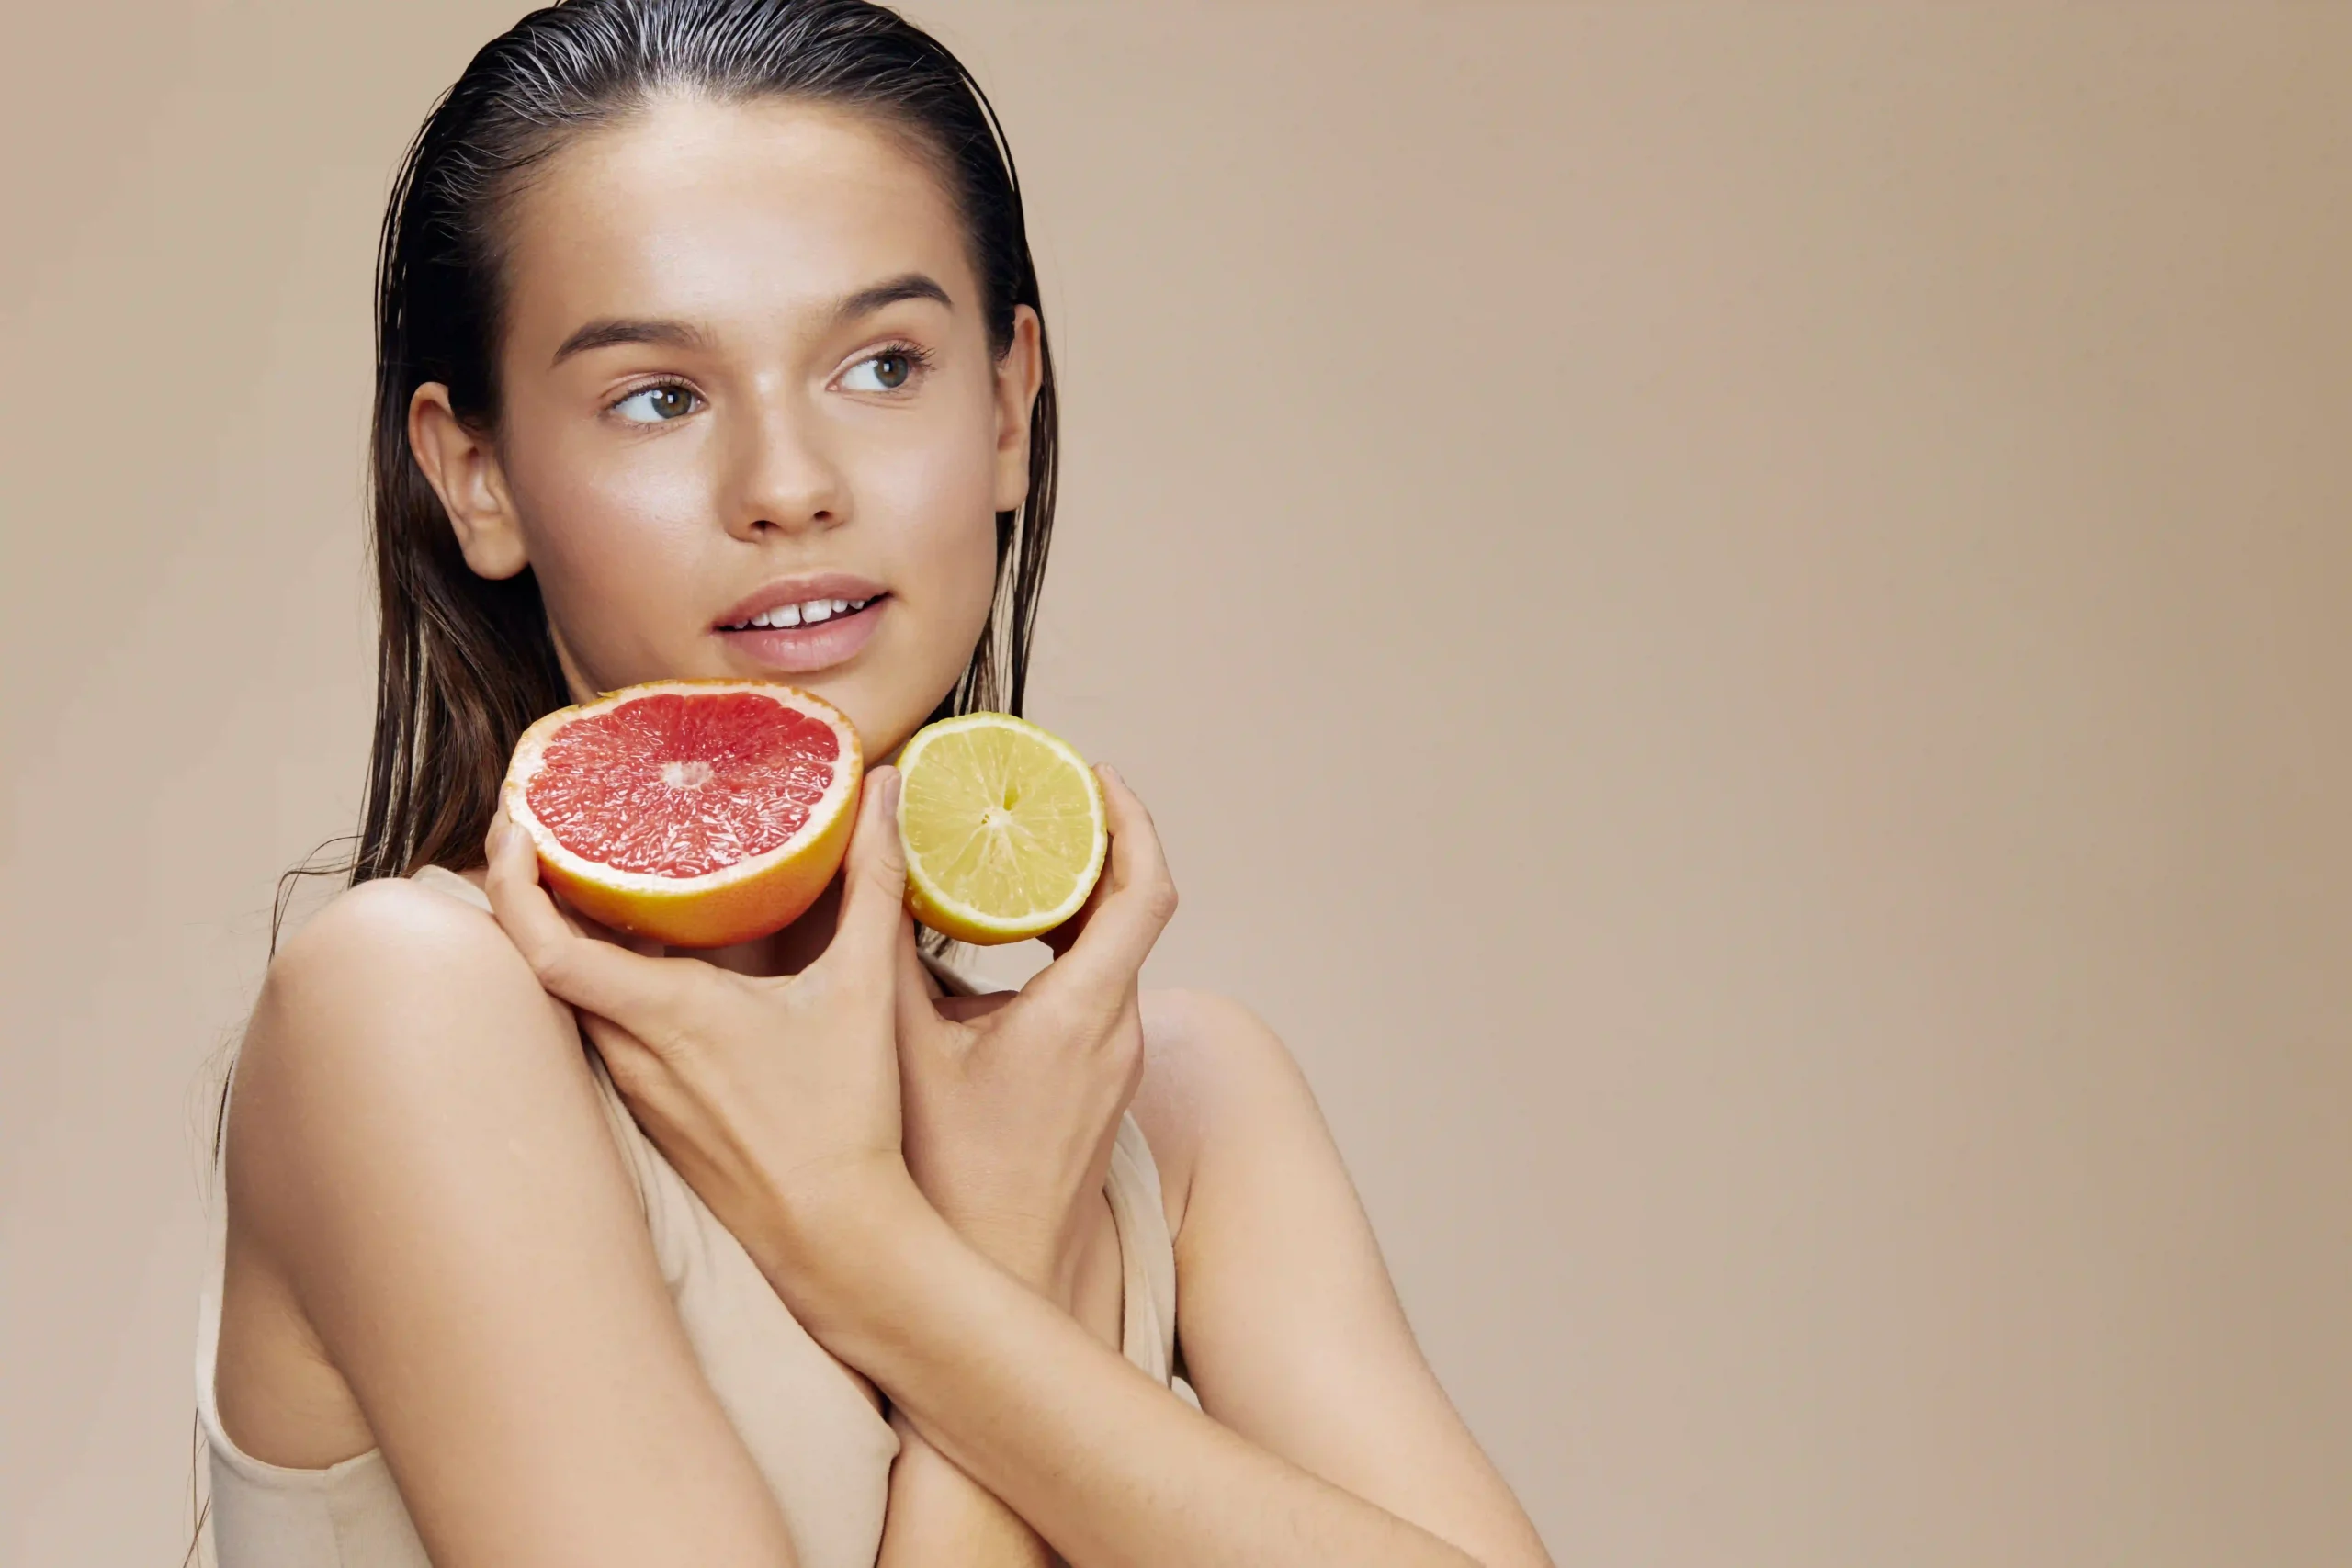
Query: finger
[633,990]
[912,980]
[1065,936]
[874,891]
[1120,934]
[583,925]
[631,1066]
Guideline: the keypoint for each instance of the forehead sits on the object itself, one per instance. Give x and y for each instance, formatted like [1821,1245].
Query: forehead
[742,215]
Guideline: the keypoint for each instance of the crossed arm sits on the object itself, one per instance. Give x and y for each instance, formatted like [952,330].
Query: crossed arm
[1331,1440]
[420,1174]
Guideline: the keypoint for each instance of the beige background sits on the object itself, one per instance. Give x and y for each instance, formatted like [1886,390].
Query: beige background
[1739,618]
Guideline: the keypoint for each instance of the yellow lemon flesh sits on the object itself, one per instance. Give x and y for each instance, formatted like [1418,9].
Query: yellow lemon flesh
[1003,828]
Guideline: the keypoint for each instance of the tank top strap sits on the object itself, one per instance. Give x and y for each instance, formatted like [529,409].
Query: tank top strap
[441,879]
[1146,1254]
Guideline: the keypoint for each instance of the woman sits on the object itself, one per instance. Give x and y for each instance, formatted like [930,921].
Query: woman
[689,309]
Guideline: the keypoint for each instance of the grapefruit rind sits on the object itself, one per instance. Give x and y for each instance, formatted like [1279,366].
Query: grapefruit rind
[957,920]
[755,897]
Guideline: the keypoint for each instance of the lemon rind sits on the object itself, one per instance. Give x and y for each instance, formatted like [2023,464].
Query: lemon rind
[961,921]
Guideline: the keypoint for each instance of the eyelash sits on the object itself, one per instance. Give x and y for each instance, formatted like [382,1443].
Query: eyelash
[671,386]
[917,358]
[918,362]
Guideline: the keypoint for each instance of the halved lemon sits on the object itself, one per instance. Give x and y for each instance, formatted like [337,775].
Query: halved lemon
[1003,826]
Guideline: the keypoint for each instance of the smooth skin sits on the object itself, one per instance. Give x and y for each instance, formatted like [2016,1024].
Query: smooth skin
[431,1234]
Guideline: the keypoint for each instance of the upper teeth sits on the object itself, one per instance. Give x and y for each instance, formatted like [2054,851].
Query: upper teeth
[807,611]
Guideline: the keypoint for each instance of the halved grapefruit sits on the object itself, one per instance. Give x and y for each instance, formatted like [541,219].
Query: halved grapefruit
[698,813]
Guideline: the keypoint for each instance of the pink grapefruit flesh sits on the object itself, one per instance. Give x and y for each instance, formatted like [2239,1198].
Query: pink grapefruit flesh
[699,813]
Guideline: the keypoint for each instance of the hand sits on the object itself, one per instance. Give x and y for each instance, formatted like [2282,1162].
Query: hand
[1011,1102]
[775,1097]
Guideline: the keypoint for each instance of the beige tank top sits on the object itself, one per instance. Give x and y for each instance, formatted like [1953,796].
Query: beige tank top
[825,1452]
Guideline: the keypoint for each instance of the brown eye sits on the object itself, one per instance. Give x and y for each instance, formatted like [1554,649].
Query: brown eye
[656,405]
[887,371]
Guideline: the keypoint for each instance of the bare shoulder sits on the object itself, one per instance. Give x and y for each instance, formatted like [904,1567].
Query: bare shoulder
[1217,1079]
[392,998]
[382,940]
[399,1052]
[397,1019]
[370,938]
[436,1248]
[1288,1323]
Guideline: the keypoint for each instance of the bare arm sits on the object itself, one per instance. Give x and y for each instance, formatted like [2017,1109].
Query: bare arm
[1332,1440]
[417,1150]
[938,1515]
[1107,1465]
[1293,1333]
[1104,1463]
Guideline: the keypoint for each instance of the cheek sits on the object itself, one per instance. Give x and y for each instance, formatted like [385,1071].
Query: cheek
[944,555]
[953,528]
[923,510]
[943,500]
[614,546]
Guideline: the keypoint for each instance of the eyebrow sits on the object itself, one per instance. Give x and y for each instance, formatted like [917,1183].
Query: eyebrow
[686,335]
[604,333]
[906,286]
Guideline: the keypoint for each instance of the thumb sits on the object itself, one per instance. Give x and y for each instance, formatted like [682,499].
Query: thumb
[911,982]
[873,885]
[637,991]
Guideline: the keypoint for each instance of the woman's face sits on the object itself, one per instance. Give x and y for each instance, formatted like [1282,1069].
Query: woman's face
[746,387]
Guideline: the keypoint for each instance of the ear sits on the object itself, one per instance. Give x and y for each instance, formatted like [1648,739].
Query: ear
[461,465]
[1019,373]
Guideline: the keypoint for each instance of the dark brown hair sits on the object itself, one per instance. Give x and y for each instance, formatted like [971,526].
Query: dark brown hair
[466,662]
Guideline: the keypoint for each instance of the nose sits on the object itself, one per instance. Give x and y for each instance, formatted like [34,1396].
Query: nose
[783,478]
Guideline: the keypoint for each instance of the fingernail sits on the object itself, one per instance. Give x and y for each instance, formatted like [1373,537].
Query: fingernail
[890,792]
[1112,774]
